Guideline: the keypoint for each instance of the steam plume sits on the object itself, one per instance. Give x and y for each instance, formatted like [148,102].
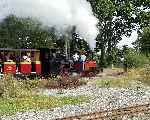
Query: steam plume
[59,13]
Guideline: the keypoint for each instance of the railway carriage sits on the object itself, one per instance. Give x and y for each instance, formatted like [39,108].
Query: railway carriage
[24,61]
[42,62]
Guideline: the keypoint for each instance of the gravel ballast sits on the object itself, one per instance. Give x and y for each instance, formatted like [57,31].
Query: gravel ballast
[100,99]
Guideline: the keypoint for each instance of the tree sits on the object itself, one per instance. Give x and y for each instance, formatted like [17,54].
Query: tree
[111,28]
[116,18]
[143,41]
[25,33]
[134,59]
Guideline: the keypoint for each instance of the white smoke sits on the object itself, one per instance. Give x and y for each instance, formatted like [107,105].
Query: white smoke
[59,13]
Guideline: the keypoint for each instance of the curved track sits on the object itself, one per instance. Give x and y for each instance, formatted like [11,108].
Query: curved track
[112,114]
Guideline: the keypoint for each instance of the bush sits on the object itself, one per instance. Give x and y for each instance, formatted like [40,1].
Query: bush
[145,74]
[11,88]
[135,60]
[67,82]
[31,84]
[62,82]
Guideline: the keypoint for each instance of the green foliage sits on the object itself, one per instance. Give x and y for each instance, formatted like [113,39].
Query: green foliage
[114,22]
[114,82]
[20,96]
[25,33]
[128,80]
[143,42]
[117,18]
[11,88]
[13,105]
[100,63]
[134,59]
[31,84]
[144,19]
[102,8]
[145,75]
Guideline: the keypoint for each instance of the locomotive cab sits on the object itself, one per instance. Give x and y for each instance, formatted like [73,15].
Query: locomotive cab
[50,60]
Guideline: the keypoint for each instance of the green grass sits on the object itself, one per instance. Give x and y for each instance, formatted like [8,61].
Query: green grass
[21,96]
[114,82]
[145,75]
[13,105]
[119,81]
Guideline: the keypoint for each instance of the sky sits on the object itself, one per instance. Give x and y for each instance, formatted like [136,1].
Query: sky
[128,40]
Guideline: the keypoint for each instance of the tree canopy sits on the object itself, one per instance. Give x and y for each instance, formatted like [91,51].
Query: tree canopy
[116,19]
[25,33]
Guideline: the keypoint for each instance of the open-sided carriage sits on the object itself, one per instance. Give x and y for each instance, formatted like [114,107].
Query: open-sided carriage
[42,62]
[30,62]
[20,61]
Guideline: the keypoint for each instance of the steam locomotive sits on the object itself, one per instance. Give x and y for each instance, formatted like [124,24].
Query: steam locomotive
[42,62]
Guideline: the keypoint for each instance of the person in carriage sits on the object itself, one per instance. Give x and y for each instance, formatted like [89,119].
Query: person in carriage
[26,57]
[76,57]
[83,59]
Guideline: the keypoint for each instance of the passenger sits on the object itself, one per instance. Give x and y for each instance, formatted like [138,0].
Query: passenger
[82,60]
[12,57]
[8,58]
[76,57]
[26,58]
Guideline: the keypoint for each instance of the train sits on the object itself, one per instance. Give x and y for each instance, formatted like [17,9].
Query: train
[43,62]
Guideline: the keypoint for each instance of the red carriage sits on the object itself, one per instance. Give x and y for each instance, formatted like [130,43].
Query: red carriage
[42,62]
[86,69]
[12,61]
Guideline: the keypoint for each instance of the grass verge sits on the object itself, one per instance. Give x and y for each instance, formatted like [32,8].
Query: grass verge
[114,82]
[119,81]
[13,105]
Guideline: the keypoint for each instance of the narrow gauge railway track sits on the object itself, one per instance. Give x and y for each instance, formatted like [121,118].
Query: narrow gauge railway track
[111,114]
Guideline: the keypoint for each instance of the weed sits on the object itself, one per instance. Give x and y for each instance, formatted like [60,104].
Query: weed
[13,105]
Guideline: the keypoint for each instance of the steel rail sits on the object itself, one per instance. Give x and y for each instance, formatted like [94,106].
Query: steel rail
[115,113]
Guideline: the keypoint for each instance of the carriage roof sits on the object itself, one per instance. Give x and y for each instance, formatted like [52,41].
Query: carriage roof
[11,49]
